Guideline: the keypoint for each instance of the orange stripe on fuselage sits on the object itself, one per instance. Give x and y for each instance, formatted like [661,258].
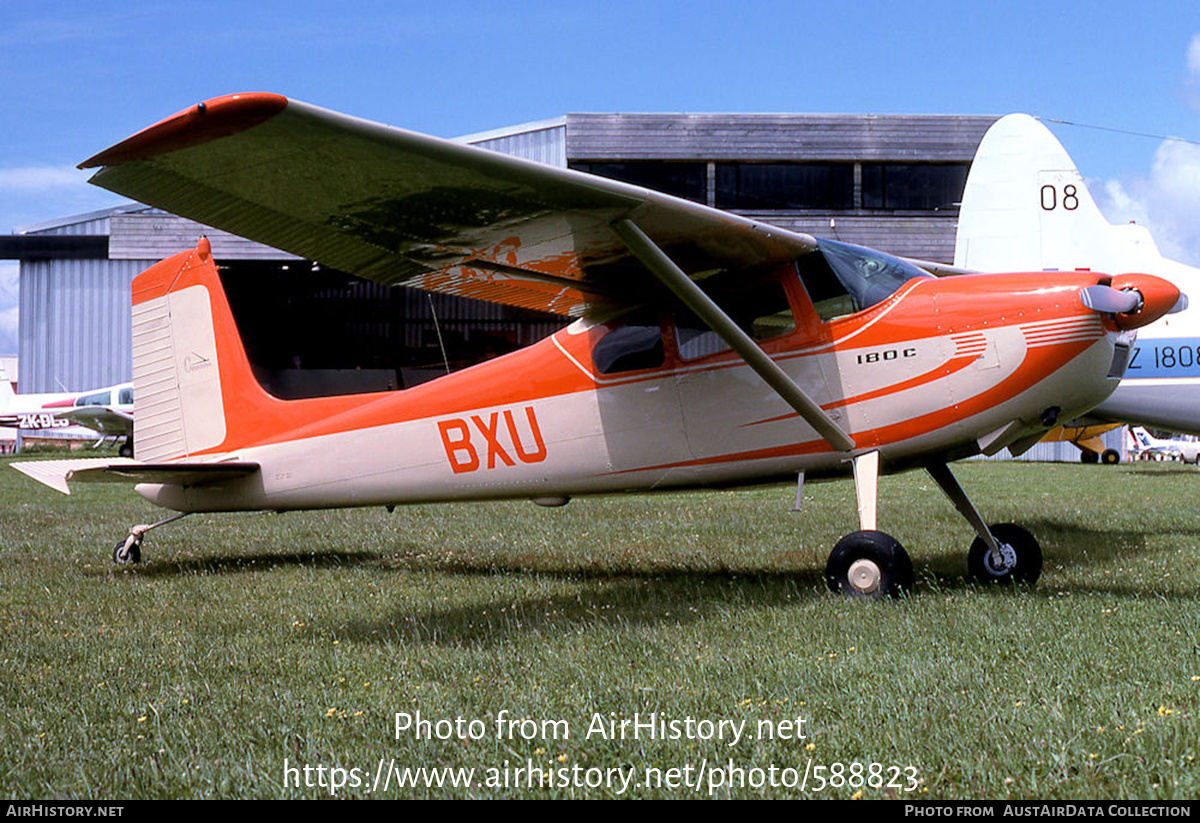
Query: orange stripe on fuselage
[948,368]
[1012,386]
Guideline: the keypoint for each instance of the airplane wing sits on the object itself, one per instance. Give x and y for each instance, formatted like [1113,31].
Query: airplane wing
[402,208]
[103,419]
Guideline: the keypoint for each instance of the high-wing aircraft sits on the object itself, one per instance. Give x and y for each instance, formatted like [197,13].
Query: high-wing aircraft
[108,411]
[1186,450]
[1025,207]
[708,350]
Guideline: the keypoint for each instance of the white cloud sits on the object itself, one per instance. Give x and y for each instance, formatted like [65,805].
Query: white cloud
[1191,90]
[40,178]
[1166,201]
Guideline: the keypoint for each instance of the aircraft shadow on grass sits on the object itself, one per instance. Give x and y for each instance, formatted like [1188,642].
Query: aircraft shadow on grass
[627,596]
[243,563]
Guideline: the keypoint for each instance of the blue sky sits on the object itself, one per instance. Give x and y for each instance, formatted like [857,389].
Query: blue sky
[76,77]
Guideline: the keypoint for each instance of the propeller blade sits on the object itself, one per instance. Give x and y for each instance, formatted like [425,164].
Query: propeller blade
[1180,305]
[1107,300]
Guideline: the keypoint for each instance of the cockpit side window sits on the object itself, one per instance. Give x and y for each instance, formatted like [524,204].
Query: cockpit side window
[630,344]
[842,279]
[761,310]
[97,399]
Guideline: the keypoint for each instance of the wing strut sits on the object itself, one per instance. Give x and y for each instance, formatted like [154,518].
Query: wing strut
[653,258]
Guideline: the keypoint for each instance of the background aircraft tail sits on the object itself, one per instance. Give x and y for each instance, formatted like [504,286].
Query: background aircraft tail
[1026,208]
[1141,437]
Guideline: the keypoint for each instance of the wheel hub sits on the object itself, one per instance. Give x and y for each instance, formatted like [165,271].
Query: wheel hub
[864,575]
[1002,564]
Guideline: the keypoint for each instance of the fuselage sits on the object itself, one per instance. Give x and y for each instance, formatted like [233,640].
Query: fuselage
[941,368]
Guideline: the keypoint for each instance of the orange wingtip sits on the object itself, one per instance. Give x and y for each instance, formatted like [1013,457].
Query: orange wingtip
[201,123]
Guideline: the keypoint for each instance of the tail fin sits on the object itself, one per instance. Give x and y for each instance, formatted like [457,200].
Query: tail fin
[176,379]
[194,391]
[1026,208]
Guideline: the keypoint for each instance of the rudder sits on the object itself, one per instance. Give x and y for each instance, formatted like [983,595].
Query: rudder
[176,379]
[1026,208]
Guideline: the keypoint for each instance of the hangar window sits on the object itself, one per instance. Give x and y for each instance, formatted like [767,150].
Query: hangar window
[688,180]
[841,279]
[919,186]
[770,186]
[762,311]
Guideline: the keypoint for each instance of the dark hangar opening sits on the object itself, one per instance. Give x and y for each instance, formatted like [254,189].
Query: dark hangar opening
[310,331]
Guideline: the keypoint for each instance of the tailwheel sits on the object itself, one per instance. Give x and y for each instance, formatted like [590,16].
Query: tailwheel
[128,550]
[1020,559]
[869,564]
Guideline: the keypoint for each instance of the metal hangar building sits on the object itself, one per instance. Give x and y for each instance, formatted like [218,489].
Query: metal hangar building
[888,181]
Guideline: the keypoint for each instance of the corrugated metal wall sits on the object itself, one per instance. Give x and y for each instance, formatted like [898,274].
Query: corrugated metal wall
[75,323]
[846,137]
[153,235]
[545,145]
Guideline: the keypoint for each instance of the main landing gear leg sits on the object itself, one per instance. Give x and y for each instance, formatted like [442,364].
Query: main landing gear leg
[1003,552]
[868,563]
[129,550]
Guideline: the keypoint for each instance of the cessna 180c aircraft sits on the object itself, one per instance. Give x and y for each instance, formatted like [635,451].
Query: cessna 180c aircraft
[708,350]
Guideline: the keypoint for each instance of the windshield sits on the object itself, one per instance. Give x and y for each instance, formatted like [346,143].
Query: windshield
[842,279]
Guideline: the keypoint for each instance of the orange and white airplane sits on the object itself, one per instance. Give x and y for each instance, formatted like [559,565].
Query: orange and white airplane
[708,350]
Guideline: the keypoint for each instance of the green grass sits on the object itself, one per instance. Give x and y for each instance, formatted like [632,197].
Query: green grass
[247,639]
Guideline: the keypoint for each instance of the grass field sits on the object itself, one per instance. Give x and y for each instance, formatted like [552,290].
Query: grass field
[244,641]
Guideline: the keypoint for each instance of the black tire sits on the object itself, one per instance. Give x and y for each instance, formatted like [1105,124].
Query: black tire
[869,564]
[123,558]
[126,449]
[1088,456]
[1023,561]
[1110,457]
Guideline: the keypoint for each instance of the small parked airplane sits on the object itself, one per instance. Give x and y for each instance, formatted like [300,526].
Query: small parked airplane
[108,411]
[1025,207]
[709,350]
[1186,450]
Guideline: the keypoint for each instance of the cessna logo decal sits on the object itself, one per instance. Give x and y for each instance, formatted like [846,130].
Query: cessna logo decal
[477,442]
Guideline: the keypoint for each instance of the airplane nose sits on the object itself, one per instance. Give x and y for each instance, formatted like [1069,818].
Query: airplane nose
[1134,300]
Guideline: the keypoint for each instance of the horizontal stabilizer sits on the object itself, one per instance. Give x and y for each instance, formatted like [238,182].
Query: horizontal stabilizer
[58,474]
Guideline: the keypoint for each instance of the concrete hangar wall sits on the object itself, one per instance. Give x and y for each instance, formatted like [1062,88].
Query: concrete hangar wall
[889,181]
